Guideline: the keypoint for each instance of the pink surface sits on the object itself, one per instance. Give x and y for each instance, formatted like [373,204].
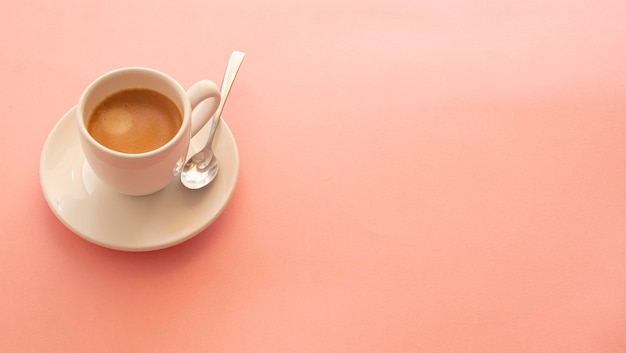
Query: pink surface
[423,176]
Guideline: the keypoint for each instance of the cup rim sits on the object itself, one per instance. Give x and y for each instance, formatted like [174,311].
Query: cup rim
[165,77]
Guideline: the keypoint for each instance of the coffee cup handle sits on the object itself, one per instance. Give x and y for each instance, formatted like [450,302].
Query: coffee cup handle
[204,97]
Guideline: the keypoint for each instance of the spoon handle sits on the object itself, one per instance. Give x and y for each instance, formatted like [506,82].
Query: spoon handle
[236,58]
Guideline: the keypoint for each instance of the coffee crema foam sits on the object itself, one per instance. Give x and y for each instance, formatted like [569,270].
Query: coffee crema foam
[135,121]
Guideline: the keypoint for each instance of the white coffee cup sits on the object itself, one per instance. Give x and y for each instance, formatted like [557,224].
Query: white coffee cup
[147,172]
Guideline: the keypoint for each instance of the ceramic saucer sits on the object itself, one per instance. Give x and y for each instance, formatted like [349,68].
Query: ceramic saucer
[113,220]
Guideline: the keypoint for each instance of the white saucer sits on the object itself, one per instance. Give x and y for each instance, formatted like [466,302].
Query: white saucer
[113,220]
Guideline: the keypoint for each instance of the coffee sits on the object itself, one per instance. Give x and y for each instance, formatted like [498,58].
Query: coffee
[135,121]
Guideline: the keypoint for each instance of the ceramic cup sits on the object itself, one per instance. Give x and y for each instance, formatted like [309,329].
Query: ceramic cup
[147,172]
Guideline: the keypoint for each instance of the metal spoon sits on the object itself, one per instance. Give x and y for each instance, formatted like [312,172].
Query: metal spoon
[202,167]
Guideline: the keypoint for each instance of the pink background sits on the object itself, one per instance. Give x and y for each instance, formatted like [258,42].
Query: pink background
[416,176]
